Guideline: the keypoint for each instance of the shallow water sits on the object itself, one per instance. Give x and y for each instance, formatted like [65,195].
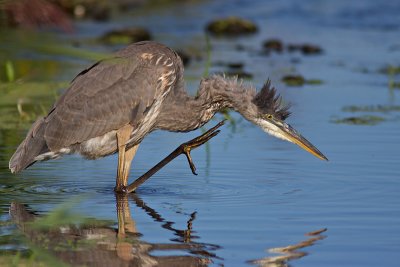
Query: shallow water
[253,192]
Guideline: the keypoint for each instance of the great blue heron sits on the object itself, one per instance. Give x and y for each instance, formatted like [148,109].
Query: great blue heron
[111,106]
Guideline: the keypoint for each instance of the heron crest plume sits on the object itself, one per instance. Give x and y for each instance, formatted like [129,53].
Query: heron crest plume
[270,102]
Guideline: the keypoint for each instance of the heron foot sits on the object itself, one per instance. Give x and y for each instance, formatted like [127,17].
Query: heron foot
[184,148]
[198,141]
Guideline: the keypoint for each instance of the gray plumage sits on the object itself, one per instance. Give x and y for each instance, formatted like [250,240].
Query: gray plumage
[141,85]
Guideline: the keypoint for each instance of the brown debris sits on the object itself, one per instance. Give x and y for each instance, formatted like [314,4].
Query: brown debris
[273,45]
[306,49]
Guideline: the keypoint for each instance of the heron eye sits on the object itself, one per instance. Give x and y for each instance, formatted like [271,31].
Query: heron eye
[269,116]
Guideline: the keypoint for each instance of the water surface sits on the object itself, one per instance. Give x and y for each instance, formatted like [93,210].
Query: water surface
[253,192]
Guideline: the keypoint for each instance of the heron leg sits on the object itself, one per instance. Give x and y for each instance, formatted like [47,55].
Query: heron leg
[129,155]
[184,148]
[123,136]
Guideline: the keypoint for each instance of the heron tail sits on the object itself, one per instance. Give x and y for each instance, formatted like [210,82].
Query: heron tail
[33,145]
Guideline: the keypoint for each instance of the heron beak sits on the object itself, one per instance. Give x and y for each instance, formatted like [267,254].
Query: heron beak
[290,134]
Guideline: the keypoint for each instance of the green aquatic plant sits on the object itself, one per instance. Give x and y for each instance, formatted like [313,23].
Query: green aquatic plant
[294,80]
[64,216]
[22,102]
[366,119]
[298,80]
[391,71]
[10,72]
[393,84]
[53,49]
[35,257]
[360,120]
[126,36]
[231,26]
[371,108]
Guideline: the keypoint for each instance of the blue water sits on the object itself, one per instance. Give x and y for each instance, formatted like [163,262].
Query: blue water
[254,192]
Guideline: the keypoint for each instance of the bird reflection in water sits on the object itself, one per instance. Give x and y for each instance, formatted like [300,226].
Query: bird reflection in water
[98,244]
[290,252]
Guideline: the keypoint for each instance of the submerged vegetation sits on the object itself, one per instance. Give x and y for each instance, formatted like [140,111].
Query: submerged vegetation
[126,36]
[21,103]
[371,108]
[393,73]
[367,119]
[231,26]
[29,85]
[361,120]
[298,80]
[277,45]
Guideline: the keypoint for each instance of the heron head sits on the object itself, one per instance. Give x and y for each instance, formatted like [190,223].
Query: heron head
[271,116]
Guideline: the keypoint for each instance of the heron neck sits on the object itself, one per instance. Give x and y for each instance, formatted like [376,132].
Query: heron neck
[183,113]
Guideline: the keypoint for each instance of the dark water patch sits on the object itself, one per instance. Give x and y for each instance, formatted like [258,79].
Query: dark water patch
[235,65]
[241,74]
[236,69]
[276,45]
[271,45]
[229,65]
[305,49]
[298,80]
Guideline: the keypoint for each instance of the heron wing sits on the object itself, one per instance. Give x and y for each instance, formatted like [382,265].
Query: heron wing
[102,98]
